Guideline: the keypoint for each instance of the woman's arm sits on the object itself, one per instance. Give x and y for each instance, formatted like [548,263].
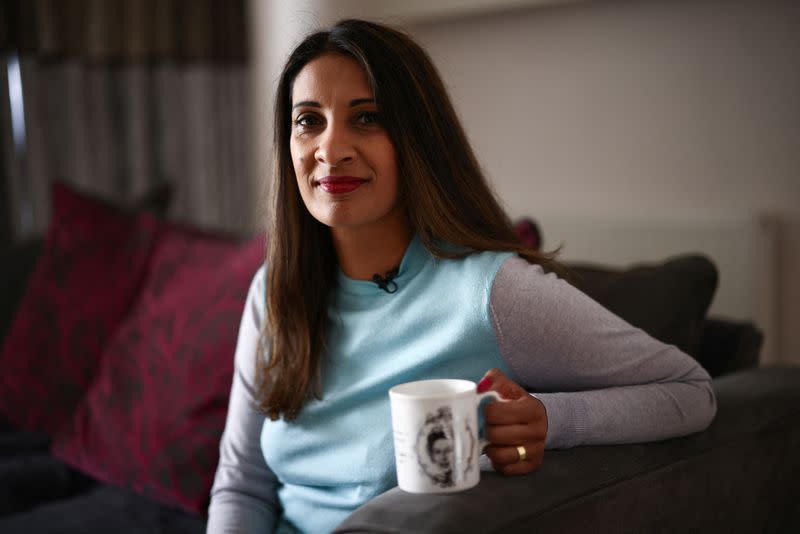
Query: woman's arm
[601,380]
[243,498]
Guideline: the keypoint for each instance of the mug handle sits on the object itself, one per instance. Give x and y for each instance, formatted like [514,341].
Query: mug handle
[483,442]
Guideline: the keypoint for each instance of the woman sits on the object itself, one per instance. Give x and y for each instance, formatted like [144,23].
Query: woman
[390,260]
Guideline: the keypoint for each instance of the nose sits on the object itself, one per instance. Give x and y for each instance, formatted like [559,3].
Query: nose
[335,146]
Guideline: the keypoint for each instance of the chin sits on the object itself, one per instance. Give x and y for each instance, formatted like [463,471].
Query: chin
[343,216]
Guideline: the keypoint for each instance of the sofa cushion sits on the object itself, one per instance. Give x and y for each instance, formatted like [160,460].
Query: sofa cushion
[93,262]
[18,260]
[15,442]
[154,416]
[668,300]
[729,346]
[27,480]
[105,509]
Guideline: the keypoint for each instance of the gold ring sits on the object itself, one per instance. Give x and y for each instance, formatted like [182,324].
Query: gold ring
[522,453]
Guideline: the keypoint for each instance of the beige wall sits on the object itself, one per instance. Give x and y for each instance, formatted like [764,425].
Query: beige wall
[666,109]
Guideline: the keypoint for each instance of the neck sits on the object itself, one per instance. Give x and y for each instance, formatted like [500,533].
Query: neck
[363,252]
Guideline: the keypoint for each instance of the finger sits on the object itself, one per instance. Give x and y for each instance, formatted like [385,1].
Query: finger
[513,435]
[524,410]
[502,455]
[496,380]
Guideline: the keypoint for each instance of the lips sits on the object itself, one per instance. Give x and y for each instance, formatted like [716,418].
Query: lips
[337,185]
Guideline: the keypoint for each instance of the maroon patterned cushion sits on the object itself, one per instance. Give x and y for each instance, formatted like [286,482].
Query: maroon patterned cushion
[153,419]
[92,265]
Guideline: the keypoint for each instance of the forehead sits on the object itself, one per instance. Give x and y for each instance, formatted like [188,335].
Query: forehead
[329,78]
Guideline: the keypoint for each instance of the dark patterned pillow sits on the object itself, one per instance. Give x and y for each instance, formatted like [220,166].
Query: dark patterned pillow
[89,272]
[153,419]
[668,300]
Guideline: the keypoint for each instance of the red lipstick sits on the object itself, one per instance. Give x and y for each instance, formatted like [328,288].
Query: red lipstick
[337,185]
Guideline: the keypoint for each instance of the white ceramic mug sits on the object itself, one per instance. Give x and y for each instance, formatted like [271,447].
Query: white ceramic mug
[435,426]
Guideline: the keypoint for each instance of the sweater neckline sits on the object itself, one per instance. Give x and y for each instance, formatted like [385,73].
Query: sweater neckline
[413,261]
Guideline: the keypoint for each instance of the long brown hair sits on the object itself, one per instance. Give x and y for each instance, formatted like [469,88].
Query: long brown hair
[443,189]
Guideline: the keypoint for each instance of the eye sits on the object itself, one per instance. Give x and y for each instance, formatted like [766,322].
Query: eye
[368,117]
[306,120]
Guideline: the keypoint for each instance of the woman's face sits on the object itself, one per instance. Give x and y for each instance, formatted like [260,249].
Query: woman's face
[343,158]
[441,453]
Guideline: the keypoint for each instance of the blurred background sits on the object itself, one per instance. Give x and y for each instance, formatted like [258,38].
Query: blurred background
[631,130]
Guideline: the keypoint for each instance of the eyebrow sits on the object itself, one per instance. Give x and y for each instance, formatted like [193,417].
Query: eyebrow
[314,104]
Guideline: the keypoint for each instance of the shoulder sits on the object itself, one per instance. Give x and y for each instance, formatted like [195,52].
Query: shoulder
[517,274]
[545,299]
[482,266]
[468,280]
[519,283]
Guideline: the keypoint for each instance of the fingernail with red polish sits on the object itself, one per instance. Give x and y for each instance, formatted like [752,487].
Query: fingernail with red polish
[484,384]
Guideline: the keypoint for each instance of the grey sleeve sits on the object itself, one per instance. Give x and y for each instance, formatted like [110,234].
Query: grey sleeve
[601,380]
[244,497]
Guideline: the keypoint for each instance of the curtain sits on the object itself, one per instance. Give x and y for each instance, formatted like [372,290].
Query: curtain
[123,95]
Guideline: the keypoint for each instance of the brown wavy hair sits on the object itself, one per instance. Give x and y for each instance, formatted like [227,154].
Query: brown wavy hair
[443,189]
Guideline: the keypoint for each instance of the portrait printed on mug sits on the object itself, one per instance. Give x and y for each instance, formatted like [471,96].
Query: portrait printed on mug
[442,456]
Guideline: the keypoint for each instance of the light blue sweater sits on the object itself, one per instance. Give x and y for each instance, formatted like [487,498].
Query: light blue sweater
[338,453]
[601,381]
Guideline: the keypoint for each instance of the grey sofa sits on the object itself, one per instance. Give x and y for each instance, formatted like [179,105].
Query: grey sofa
[740,475]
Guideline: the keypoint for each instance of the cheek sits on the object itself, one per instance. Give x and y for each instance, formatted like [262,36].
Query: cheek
[297,155]
[299,162]
[388,159]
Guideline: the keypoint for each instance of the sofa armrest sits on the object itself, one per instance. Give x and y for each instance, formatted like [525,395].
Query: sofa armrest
[727,346]
[736,476]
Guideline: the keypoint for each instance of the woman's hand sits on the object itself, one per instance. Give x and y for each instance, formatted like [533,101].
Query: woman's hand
[520,422]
